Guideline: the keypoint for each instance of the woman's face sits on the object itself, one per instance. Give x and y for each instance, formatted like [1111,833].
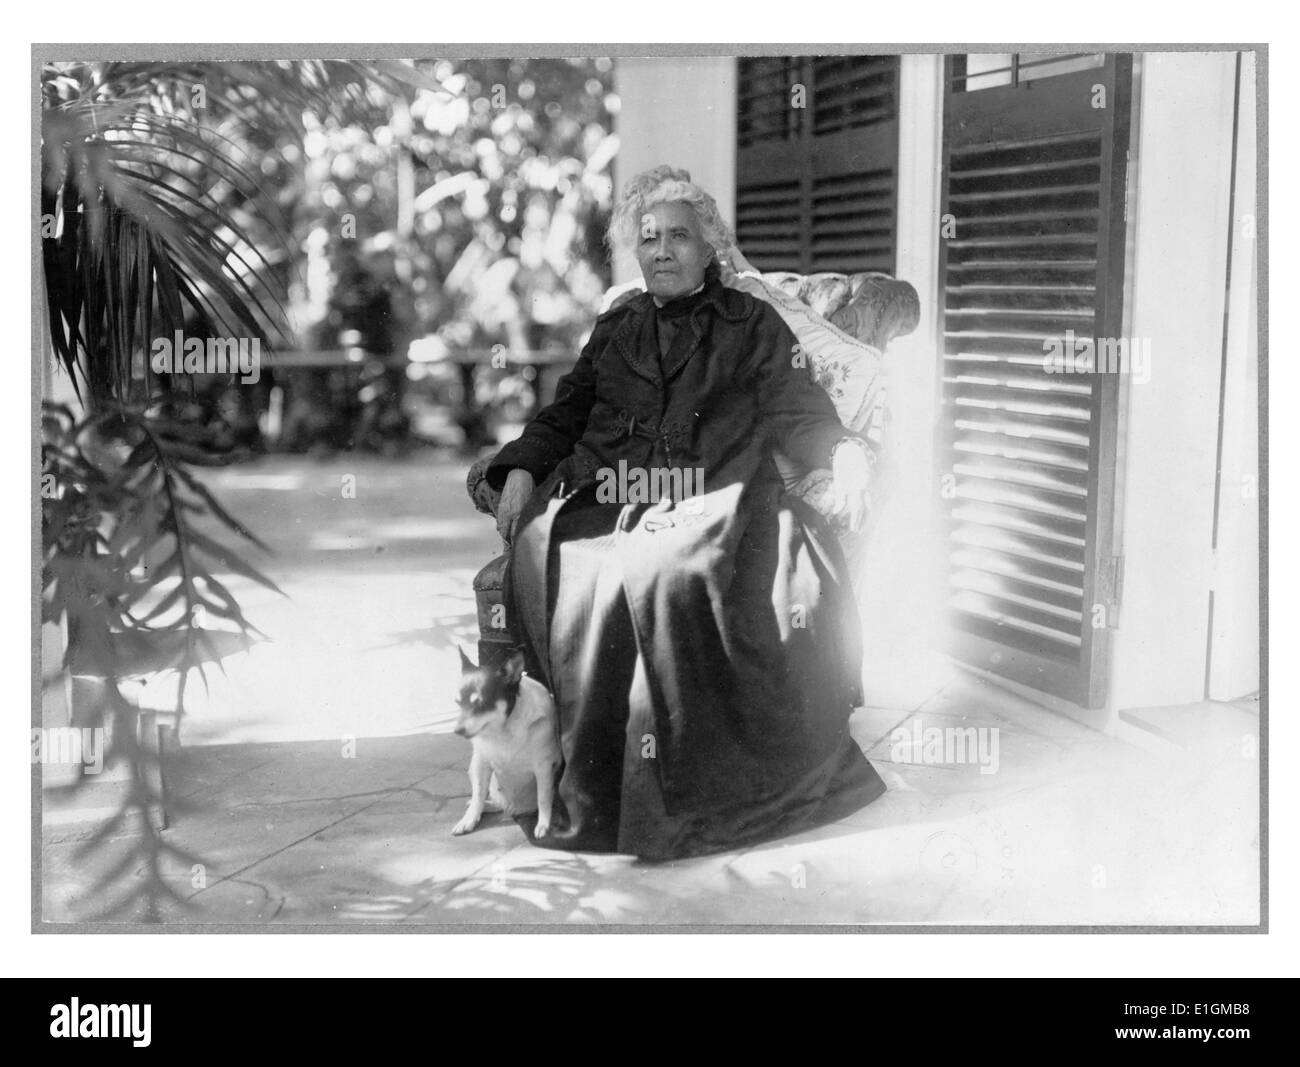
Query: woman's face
[671,250]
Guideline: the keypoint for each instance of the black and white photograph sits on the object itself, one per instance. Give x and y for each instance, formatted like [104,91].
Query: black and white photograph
[649,488]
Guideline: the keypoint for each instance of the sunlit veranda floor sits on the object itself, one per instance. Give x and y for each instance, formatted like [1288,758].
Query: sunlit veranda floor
[1074,828]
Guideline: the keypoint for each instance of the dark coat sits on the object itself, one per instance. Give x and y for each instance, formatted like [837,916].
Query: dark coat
[730,387]
[740,602]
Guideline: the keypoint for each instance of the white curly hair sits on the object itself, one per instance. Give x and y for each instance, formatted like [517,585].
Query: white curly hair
[661,185]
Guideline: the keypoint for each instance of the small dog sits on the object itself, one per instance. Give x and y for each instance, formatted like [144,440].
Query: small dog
[510,720]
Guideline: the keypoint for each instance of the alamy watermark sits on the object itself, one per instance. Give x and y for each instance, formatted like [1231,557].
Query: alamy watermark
[1073,354]
[75,1019]
[215,355]
[946,745]
[69,745]
[647,485]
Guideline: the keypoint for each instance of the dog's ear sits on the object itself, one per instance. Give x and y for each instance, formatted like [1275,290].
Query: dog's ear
[512,667]
[465,664]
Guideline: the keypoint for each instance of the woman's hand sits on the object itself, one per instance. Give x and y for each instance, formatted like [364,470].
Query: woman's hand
[851,481]
[518,488]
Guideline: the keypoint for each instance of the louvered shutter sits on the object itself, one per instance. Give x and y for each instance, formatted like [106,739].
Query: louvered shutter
[1034,181]
[816,185]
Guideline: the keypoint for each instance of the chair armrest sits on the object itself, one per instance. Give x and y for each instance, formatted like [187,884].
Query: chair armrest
[484,496]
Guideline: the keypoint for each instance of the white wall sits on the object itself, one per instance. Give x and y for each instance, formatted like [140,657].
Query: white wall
[1179,231]
[1234,650]
[682,112]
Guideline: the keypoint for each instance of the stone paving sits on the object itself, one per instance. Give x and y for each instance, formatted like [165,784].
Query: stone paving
[318,780]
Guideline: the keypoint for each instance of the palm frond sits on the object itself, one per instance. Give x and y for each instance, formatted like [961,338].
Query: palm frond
[156,211]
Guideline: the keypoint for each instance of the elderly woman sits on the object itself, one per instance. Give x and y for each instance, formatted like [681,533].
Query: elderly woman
[692,621]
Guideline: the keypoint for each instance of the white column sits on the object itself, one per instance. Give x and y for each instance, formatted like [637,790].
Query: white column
[902,588]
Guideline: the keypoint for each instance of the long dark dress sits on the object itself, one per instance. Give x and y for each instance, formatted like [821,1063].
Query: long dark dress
[703,654]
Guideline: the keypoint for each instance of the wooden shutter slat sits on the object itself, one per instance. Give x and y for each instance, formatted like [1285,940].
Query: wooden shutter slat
[1005,495]
[1064,220]
[1077,413]
[1010,570]
[770,227]
[763,198]
[1029,603]
[836,86]
[1011,473]
[1024,431]
[1045,301]
[1049,315]
[1036,193]
[985,514]
[830,212]
[986,589]
[1020,547]
[1062,264]
[1009,288]
[1035,588]
[1021,241]
[1002,620]
[1014,170]
[1030,386]
[878,182]
[990,360]
[851,74]
[859,242]
[1056,459]
[1031,340]
[831,119]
